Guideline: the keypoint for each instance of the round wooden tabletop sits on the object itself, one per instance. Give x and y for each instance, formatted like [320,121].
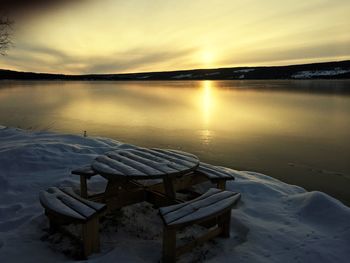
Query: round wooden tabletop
[143,163]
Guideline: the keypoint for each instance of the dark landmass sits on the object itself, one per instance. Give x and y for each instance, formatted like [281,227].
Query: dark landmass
[327,70]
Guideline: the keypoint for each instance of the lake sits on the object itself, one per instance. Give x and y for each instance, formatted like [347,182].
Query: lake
[296,131]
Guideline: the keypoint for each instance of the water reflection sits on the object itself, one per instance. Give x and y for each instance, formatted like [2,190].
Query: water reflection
[206,136]
[262,126]
[207,102]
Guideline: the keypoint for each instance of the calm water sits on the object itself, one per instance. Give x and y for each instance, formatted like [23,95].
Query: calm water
[296,131]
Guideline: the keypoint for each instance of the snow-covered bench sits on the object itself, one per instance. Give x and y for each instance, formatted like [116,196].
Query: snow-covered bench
[63,206]
[85,173]
[216,174]
[214,204]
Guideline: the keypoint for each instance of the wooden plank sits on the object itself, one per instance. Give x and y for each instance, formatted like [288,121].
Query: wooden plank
[169,245]
[83,187]
[94,205]
[215,172]
[221,184]
[204,212]
[65,202]
[174,158]
[119,167]
[77,206]
[49,201]
[105,170]
[130,161]
[169,209]
[98,197]
[147,159]
[188,157]
[225,224]
[86,171]
[210,203]
[141,163]
[163,164]
[90,235]
[169,188]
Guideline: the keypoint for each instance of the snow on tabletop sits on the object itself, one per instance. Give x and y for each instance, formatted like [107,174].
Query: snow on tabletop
[273,222]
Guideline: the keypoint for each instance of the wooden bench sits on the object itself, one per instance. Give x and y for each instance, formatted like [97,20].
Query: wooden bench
[214,204]
[85,173]
[63,206]
[216,174]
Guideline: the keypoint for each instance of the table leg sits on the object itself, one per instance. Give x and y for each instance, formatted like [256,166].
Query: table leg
[169,187]
[83,187]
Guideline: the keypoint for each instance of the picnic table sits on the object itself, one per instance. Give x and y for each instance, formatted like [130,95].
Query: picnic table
[135,175]
[139,174]
[122,166]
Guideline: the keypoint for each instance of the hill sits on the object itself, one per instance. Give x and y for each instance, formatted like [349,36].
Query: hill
[326,70]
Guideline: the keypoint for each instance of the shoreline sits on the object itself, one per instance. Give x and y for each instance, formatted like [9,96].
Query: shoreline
[273,220]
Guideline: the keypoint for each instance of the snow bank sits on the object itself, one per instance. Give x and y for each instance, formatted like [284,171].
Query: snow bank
[274,222]
[244,70]
[182,76]
[319,73]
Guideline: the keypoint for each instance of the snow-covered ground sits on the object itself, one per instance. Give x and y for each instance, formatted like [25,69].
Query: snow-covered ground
[274,221]
[183,76]
[244,70]
[307,74]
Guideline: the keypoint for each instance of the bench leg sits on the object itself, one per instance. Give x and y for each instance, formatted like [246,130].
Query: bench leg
[224,224]
[53,225]
[83,187]
[221,184]
[90,234]
[169,245]
[169,188]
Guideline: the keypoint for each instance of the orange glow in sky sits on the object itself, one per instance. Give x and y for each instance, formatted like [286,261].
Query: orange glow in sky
[112,36]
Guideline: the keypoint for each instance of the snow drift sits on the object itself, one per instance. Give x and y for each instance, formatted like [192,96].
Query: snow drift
[274,221]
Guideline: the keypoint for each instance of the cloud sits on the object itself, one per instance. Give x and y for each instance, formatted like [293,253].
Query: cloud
[14,5]
[20,9]
[136,59]
[292,54]
[110,36]
[34,58]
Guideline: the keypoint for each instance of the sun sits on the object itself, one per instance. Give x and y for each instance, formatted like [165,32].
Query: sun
[207,57]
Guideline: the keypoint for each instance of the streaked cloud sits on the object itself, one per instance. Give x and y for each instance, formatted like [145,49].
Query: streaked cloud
[110,36]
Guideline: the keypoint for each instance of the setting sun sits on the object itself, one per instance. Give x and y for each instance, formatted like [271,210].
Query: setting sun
[208,58]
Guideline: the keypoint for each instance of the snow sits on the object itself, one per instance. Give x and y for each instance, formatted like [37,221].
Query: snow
[244,70]
[183,76]
[213,201]
[273,222]
[144,77]
[319,73]
[212,74]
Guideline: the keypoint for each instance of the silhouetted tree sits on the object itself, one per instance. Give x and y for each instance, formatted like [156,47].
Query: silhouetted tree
[5,34]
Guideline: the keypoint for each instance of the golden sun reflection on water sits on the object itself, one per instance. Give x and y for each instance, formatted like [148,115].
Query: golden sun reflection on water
[207,108]
[207,102]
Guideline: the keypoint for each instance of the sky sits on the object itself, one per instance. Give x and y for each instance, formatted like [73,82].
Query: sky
[118,36]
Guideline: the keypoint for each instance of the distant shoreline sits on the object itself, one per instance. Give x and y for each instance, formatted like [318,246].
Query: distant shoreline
[326,70]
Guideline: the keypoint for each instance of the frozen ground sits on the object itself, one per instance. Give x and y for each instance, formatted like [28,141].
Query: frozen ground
[274,221]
